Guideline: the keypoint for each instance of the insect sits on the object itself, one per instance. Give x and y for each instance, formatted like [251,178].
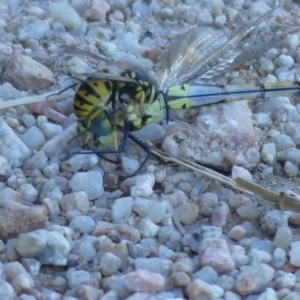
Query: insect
[107,104]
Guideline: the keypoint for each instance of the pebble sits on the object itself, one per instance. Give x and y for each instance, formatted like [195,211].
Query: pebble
[268,294]
[90,182]
[215,253]
[274,219]
[12,148]
[285,61]
[248,212]
[9,92]
[283,237]
[287,280]
[26,74]
[37,161]
[28,193]
[187,213]
[84,291]
[152,209]
[207,274]
[220,214]
[77,277]
[262,120]
[50,130]
[82,224]
[144,281]
[147,228]
[279,258]
[18,277]
[180,279]
[122,209]
[290,169]
[32,265]
[293,254]
[20,218]
[50,248]
[237,232]
[283,142]
[199,289]
[206,203]
[6,290]
[140,185]
[268,153]
[35,30]
[64,13]
[251,280]
[109,264]
[154,264]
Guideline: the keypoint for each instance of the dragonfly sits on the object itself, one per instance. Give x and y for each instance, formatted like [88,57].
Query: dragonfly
[107,104]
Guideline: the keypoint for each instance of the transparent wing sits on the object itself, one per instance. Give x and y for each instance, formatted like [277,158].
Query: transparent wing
[192,54]
[105,77]
[121,66]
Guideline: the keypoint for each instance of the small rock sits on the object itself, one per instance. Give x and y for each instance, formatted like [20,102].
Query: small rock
[237,232]
[80,162]
[82,224]
[77,277]
[268,153]
[151,209]
[78,201]
[286,281]
[279,258]
[294,254]
[283,237]
[109,264]
[183,265]
[179,279]
[154,264]
[200,289]
[251,280]
[20,218]
[18,277]
[50,130]
[6,290]
[32,265]
[87,292]
[122,209]
[207,274]
[290,169]
[283,142]
[37,161]
[12,148]
[274,219]
[147,228]
[90,182]
[248,212]
[24,73]
[215,253]
[64,13]
[291,154]
[187,213]
[49,247]
[219,214]
[140,185]
[206,202]
[144,281]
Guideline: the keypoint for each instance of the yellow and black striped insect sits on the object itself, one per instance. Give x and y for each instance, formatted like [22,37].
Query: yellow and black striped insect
[107,103]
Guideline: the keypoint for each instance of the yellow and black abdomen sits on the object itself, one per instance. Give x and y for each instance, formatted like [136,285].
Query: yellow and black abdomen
[91,94]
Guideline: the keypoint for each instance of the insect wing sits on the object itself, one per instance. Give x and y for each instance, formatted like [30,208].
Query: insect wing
[191,55]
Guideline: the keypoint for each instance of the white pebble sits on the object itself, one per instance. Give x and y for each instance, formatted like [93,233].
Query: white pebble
[64,13]
[89,182]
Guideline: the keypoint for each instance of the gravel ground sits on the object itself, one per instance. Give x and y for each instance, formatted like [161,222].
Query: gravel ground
[75,230]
